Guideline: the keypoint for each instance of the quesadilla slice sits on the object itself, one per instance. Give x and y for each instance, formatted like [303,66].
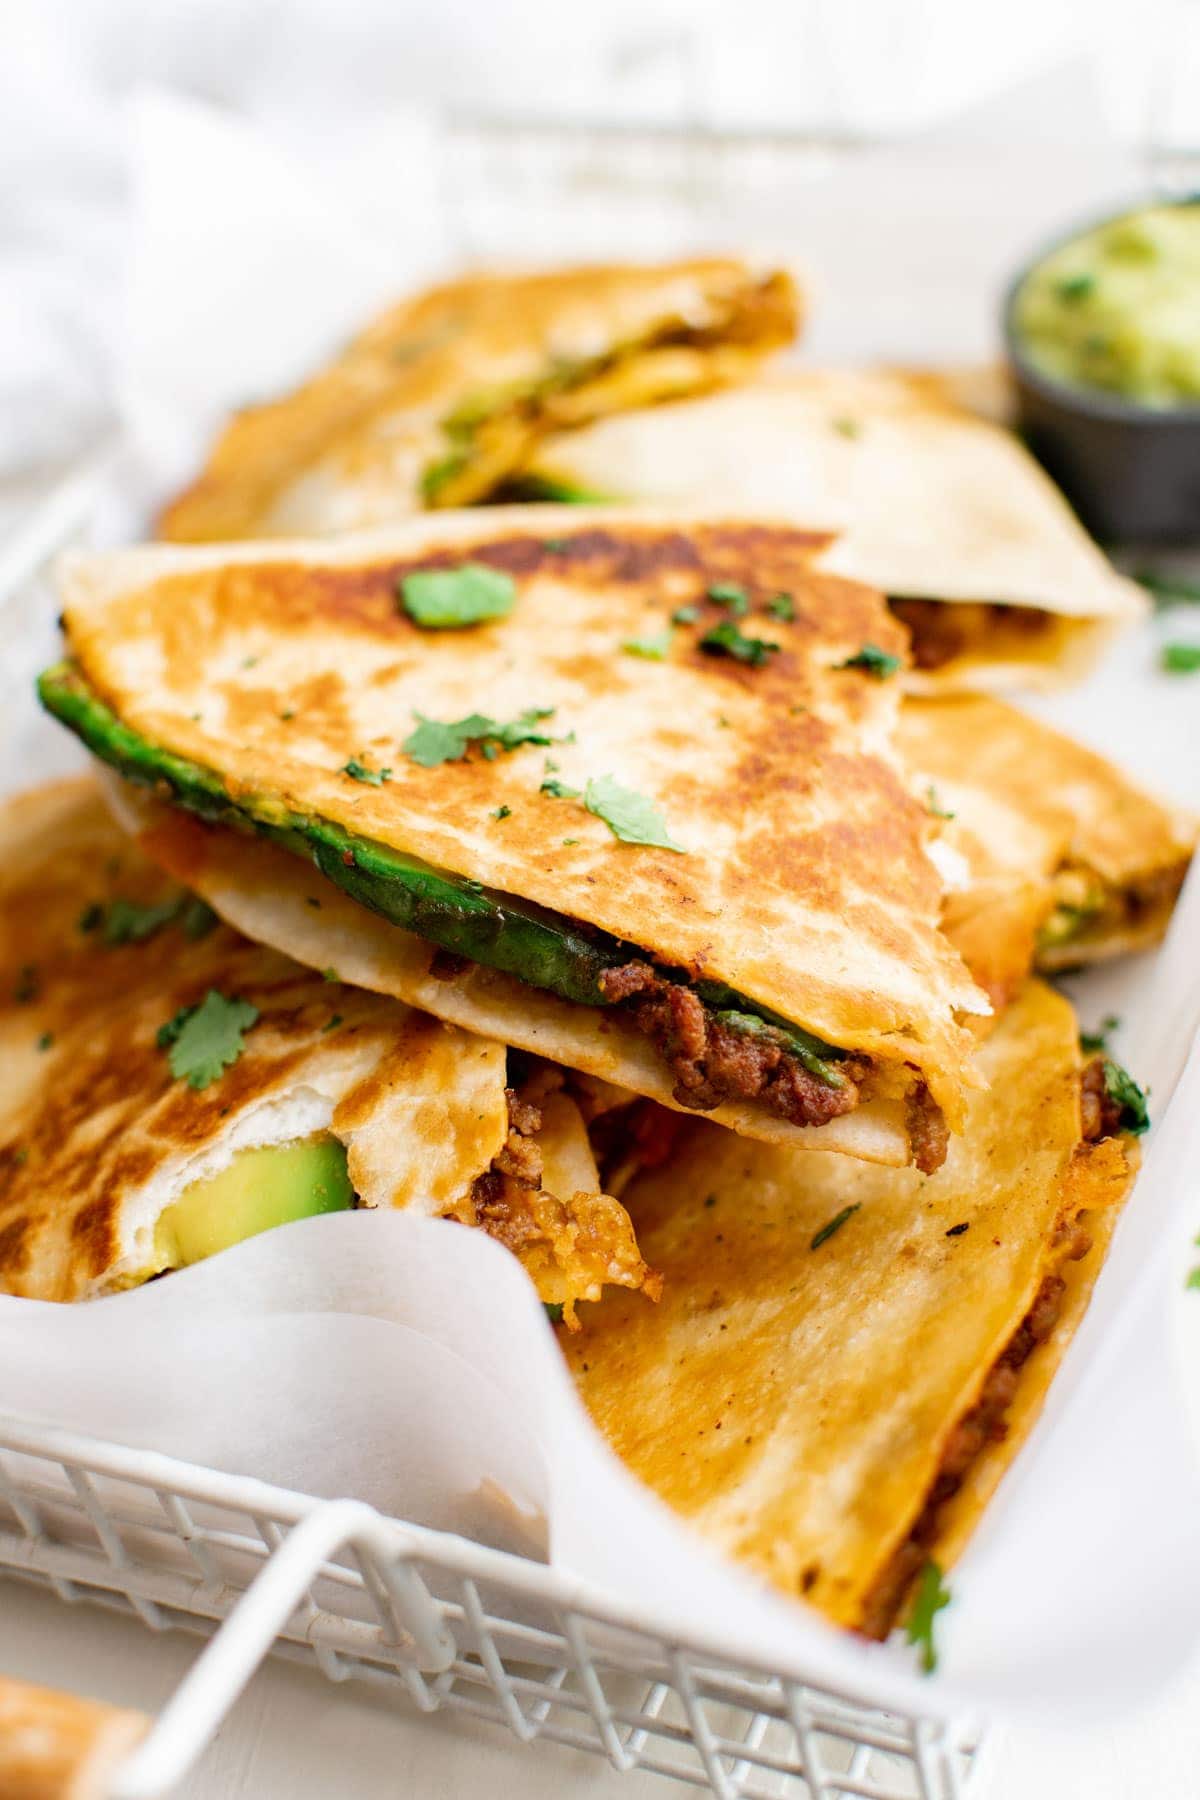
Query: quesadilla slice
[1068,861]
[948,514]
[444,396]
[845,1359]
[621,794]
[170,1088]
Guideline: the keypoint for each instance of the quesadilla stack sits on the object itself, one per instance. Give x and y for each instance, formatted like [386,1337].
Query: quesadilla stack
[1068,861]
[446,395]
[845,1359]
[618,792]
[170,1088]
[947,513]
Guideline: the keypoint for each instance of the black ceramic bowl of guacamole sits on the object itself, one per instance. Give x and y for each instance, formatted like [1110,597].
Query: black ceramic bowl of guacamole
[1130,466]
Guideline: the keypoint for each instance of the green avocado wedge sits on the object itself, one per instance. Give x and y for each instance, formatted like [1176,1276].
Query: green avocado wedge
[259,1189]
[461,916]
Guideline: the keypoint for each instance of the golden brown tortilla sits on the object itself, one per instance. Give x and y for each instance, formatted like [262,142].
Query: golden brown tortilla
[447,393]
[801,1383]
[97,1137]
[1070,862]
[803,881]
[944,511]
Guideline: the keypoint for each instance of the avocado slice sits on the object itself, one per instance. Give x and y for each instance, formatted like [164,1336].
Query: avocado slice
[462,916]
[258,1190]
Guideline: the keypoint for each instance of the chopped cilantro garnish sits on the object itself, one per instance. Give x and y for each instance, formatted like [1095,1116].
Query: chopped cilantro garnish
[835,1224]
[653,648]
[847,428]
[129,922]
[332,1022]
[1120,1086]
[1193,1280]
[330,975]
[502,812]
[1091,1042]
[91,916]
[567,842]
[1169,590]
[556,546]
[935,805]
[203,1041]
[628,815]
[558,790]
[930,1597]
[448,599]
[873,661]
[359,772]
[435,742]
[45,1041]
[685,615]
[1181,659]
[249,662]
[727,593]
[782,607]
[197,918]
[288,714]
[726,640]
[554,1311]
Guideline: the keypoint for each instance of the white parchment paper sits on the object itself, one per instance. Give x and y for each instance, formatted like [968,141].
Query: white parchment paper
[407,1362]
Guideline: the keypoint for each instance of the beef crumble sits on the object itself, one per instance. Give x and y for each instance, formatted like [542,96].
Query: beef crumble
[1101,1114]
[712,1061]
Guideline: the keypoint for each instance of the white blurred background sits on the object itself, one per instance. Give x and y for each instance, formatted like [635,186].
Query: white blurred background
[437,131]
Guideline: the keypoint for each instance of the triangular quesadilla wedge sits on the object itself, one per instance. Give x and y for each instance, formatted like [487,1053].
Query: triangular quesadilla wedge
[948,514]
[845,1359]
[1068,861]
[445,395]
[620,793]
[170,1088]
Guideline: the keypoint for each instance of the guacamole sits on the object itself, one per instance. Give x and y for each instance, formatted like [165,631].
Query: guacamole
[1118,309]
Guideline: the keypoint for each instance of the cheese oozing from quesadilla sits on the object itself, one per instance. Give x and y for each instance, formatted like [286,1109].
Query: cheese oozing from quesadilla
[643,820]
[945,512]
[1069,861]
[446,394]
[170,1088]
[845,1360]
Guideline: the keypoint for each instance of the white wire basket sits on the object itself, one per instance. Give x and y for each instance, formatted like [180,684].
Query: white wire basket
[437,1621]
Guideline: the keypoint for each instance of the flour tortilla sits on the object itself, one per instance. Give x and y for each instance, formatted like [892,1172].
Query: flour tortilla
[794,1400]
[804,885]
[97,1137]
[930,503]
[445,394]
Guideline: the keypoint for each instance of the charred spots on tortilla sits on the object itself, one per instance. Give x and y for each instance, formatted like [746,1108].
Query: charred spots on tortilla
[957,1230]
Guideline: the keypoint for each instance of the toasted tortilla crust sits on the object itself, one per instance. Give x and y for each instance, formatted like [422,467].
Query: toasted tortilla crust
[1029,806]
[793,1401]
[96,1134]
[348,449]
[805,885]
[927,500]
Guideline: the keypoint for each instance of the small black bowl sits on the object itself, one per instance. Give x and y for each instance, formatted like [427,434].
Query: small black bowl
[1132,472]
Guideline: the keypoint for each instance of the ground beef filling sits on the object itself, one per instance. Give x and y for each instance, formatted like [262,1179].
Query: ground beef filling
[1101,1114]
[712,1062]
[496,1195]
[984,1424]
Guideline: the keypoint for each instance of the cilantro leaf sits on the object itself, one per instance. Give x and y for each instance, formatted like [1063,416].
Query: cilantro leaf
[203,1041]
[685,615]
[935,805]
[1120,1086]
[502,812]
[1091,1042]
[930,1597]
[359,772]
[727,593]
[435,742]
[879,664]
[1193,1280]
[554,1311]
[628,815]
[448,599]
[725,639]
[129,922]
[558,790]
[197,918]
[782,607]
[1181,659]
[834,1224]
[654,648]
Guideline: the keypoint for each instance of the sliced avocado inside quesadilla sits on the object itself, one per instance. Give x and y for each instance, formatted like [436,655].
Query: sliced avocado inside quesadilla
[274,1184]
